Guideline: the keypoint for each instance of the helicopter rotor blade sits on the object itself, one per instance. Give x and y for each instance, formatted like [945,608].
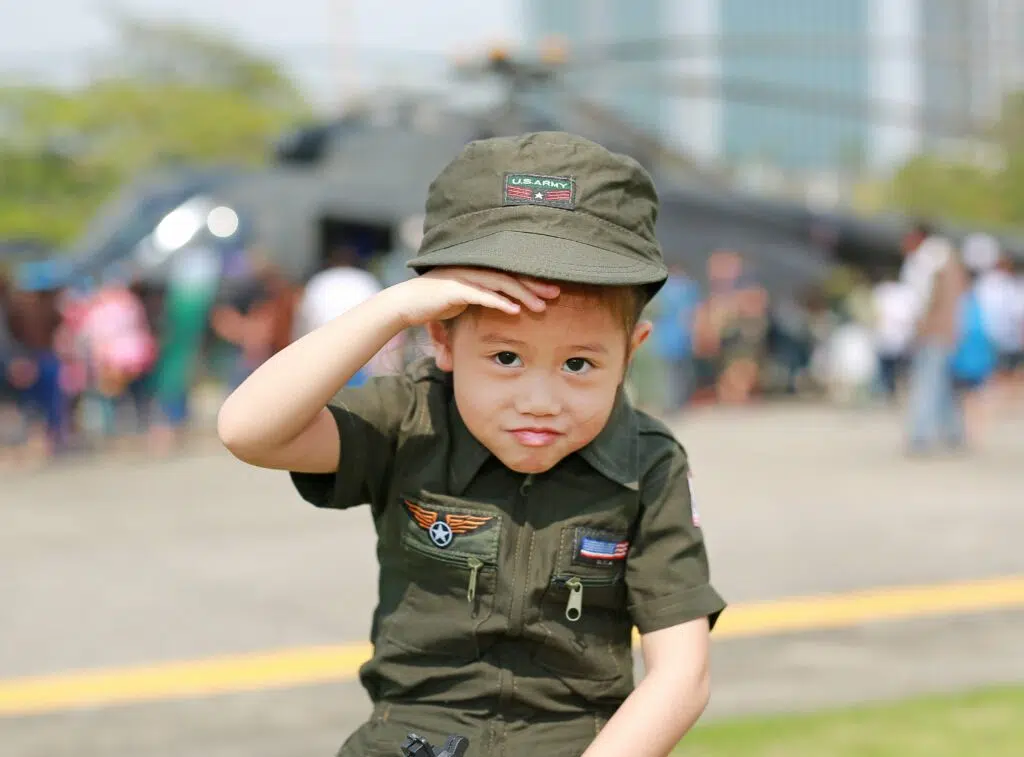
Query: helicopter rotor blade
[825,103]
[932,48]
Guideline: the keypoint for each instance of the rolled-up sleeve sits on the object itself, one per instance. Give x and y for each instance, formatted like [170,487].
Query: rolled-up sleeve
[667,571]
[369,419]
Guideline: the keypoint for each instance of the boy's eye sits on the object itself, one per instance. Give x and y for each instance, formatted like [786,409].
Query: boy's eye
[577,365]
[507,359]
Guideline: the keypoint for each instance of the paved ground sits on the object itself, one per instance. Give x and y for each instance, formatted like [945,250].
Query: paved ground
[129,562]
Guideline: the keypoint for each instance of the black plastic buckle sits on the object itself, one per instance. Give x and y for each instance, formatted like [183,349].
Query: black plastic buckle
[417,746]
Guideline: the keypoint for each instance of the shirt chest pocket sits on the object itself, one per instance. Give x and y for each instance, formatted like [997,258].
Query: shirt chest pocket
[583,610]
[449,553]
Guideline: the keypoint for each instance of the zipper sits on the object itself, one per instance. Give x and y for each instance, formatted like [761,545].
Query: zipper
[474,564]
[575,585]
[517,609]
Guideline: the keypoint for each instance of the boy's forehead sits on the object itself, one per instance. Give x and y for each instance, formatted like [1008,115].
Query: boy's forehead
[566,317]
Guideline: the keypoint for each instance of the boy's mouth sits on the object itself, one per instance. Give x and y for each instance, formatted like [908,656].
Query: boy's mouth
[535,436]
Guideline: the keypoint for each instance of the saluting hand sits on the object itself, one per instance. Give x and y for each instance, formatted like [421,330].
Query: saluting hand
[446,292]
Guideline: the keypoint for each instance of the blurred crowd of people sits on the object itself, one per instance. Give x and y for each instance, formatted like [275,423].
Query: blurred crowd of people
[943,331]
[122,359]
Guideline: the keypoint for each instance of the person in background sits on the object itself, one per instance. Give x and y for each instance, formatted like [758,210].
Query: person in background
[934,416]
[36,372]
[192,285]
[975,357]
[714,317]
[894,314]
[920,262]
[15,374]
[673,313]
[340,286]
[1001,298]
[742,341]
[260,321]
[790,340]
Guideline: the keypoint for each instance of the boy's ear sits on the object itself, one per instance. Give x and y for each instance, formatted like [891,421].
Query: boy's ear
[642,330]
[441,338]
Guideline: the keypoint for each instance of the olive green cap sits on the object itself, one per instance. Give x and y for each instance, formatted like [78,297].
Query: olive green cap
[547,204]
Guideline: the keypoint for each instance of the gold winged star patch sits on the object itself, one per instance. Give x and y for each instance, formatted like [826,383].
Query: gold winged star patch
[443,528]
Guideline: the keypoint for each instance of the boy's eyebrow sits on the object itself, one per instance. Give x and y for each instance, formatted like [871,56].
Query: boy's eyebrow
[499,339]
[595,347]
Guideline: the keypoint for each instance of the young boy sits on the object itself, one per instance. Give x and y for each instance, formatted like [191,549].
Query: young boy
[527,517]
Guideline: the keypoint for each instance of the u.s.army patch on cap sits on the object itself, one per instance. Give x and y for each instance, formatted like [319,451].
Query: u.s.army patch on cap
[534,189]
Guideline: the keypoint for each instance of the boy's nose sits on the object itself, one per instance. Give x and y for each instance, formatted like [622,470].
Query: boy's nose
[538,398]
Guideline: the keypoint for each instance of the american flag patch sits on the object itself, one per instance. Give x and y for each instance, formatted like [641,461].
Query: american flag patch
[534,189]
[601,549]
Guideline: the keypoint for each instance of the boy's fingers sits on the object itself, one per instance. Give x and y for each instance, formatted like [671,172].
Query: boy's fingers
[481,295]
[492,300]
[509,285]
[543,289]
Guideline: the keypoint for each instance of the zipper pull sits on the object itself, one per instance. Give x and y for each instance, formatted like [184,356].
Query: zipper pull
[475,564]
[574,608]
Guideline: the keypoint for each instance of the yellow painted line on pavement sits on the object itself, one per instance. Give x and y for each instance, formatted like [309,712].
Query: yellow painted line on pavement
[312,665]
[181,680]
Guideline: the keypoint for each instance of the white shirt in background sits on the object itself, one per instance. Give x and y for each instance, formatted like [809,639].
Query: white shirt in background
[331,293]
[1001,297]
[919,269]
[896,311]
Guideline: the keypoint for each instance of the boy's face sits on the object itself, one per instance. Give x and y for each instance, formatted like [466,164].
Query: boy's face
[535,387]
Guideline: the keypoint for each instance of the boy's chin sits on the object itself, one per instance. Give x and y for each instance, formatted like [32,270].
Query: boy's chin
[532,463]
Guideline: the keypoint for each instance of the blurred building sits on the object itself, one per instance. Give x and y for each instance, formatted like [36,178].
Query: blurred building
[803,86]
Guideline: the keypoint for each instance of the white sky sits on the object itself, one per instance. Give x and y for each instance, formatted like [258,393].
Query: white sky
[45,38]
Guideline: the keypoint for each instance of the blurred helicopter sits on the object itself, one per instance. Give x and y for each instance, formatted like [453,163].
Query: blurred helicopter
[360,180]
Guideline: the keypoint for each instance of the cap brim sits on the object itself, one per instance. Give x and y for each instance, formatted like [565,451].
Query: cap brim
[545,257]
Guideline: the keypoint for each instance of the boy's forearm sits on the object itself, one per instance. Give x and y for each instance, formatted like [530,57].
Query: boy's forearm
[283,396]
[652,720]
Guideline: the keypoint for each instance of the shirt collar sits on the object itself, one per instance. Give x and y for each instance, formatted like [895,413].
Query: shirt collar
[614,453]
[468,454]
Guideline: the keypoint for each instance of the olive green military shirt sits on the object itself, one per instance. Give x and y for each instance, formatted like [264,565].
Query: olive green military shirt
[504,593]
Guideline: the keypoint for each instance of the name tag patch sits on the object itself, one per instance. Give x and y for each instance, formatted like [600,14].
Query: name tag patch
[599,549]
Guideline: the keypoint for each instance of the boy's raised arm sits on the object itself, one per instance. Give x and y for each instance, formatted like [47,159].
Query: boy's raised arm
[278,418]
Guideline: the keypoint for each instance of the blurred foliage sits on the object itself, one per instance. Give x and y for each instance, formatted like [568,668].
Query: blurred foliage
[984,192]
[165,93]
[933,726]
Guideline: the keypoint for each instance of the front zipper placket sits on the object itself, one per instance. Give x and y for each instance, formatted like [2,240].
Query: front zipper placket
[505,659]
[523,539]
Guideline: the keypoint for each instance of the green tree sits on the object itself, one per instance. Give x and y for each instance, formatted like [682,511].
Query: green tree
[166,92]
[966,191]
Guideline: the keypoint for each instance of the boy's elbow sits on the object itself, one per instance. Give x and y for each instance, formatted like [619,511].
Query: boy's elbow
[234,434]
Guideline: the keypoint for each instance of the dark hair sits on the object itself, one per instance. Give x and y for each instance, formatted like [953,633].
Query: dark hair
[923,228]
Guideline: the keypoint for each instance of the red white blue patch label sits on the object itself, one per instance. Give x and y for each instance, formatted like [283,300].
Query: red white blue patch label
[599,550]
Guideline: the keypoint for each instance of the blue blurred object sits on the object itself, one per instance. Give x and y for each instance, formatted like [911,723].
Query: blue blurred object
[23,249]
[43,275]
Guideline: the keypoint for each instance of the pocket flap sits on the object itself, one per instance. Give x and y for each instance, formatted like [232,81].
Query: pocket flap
[447,532]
